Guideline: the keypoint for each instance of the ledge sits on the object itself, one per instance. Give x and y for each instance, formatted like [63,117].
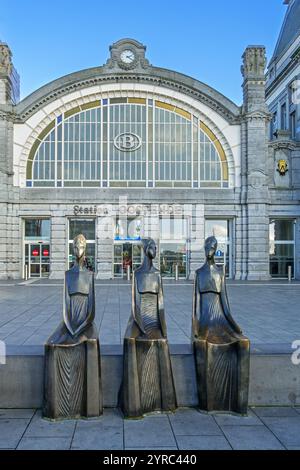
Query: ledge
[175,350]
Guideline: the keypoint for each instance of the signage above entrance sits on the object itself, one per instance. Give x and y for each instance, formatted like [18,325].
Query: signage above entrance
[129,209]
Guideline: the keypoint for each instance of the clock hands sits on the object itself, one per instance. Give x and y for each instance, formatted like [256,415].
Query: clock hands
[127,56]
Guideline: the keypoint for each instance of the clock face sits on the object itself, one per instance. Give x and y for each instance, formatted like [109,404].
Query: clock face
[127,56]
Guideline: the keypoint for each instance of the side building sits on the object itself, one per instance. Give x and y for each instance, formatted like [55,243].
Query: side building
[283,99]
[128,150]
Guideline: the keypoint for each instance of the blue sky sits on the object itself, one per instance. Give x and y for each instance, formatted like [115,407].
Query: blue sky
[203,39]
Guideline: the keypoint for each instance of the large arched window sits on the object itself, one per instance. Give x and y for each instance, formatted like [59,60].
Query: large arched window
[127,142]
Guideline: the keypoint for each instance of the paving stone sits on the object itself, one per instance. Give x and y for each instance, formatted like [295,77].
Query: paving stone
[40,304]
[202,443]
[16,413]
[275,412]
[235,420]
[190,422]
[151,431]
[286,429]
[151,448]
[45,443]
[251,438]
[105,432]
[40,427]
[11,431]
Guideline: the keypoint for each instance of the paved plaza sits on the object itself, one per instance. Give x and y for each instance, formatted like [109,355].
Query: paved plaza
[264,428]
[268,313]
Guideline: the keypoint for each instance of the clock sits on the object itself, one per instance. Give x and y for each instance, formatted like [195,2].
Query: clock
[127,56]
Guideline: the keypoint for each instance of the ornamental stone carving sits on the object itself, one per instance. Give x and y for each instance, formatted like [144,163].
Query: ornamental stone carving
[6,66]
[254,63]
[257,179]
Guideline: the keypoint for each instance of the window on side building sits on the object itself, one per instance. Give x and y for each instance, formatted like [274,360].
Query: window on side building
[282,247]
[283,116]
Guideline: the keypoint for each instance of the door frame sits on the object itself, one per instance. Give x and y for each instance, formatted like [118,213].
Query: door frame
[39,243]
[124,242]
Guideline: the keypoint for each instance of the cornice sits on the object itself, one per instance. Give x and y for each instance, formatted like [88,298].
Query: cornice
[283,145]
[283,74]
[9,116]
[257,115]
[64,86]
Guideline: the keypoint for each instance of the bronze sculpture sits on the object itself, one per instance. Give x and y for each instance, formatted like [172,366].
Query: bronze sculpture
[221,351]
[72,353]
[148,383]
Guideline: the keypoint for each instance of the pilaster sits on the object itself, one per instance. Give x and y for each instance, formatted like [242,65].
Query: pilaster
[255,190]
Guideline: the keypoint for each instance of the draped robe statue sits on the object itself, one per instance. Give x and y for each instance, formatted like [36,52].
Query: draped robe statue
[221,351]
[148,383]
[72,353]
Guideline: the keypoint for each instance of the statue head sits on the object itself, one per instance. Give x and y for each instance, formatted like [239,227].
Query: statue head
[149,248]
[210,247]
[79,246]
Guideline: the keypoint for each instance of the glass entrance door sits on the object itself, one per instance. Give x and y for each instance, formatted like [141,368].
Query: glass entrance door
[172,255]
[37,259]
[126,256]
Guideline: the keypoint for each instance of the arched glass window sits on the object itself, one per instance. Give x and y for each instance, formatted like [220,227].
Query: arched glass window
[127,142]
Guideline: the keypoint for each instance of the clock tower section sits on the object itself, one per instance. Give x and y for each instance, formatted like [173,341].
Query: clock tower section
[127,55]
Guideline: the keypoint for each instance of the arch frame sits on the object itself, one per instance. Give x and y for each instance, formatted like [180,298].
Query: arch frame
[38,124]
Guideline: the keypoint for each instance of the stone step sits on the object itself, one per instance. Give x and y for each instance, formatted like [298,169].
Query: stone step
[274,379]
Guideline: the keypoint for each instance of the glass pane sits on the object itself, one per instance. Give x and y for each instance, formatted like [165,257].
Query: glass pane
[45,252]
[90,256]
[282,230]
[218,229]
[173,229]
[136,252]
[35,270]
[136,256]
[127,257]
[172,254]
[45,270]
[35,253]
[37,228]
[118,249]
[281,257]
[118,270]
[84,226]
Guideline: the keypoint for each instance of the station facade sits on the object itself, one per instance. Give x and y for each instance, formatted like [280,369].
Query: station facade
[129,150]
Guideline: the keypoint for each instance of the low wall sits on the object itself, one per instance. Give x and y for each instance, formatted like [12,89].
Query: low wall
[274,380]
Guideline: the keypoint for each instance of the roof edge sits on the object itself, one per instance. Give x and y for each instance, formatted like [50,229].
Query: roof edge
[95,75]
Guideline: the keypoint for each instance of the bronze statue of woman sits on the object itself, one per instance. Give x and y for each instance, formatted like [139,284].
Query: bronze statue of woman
[148,383]
[72,353]
[221,351]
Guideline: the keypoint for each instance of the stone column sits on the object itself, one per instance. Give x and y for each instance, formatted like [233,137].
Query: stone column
[10,250]
[197,236]
[59,246]
[104,249]
[256,192]
[297,244]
